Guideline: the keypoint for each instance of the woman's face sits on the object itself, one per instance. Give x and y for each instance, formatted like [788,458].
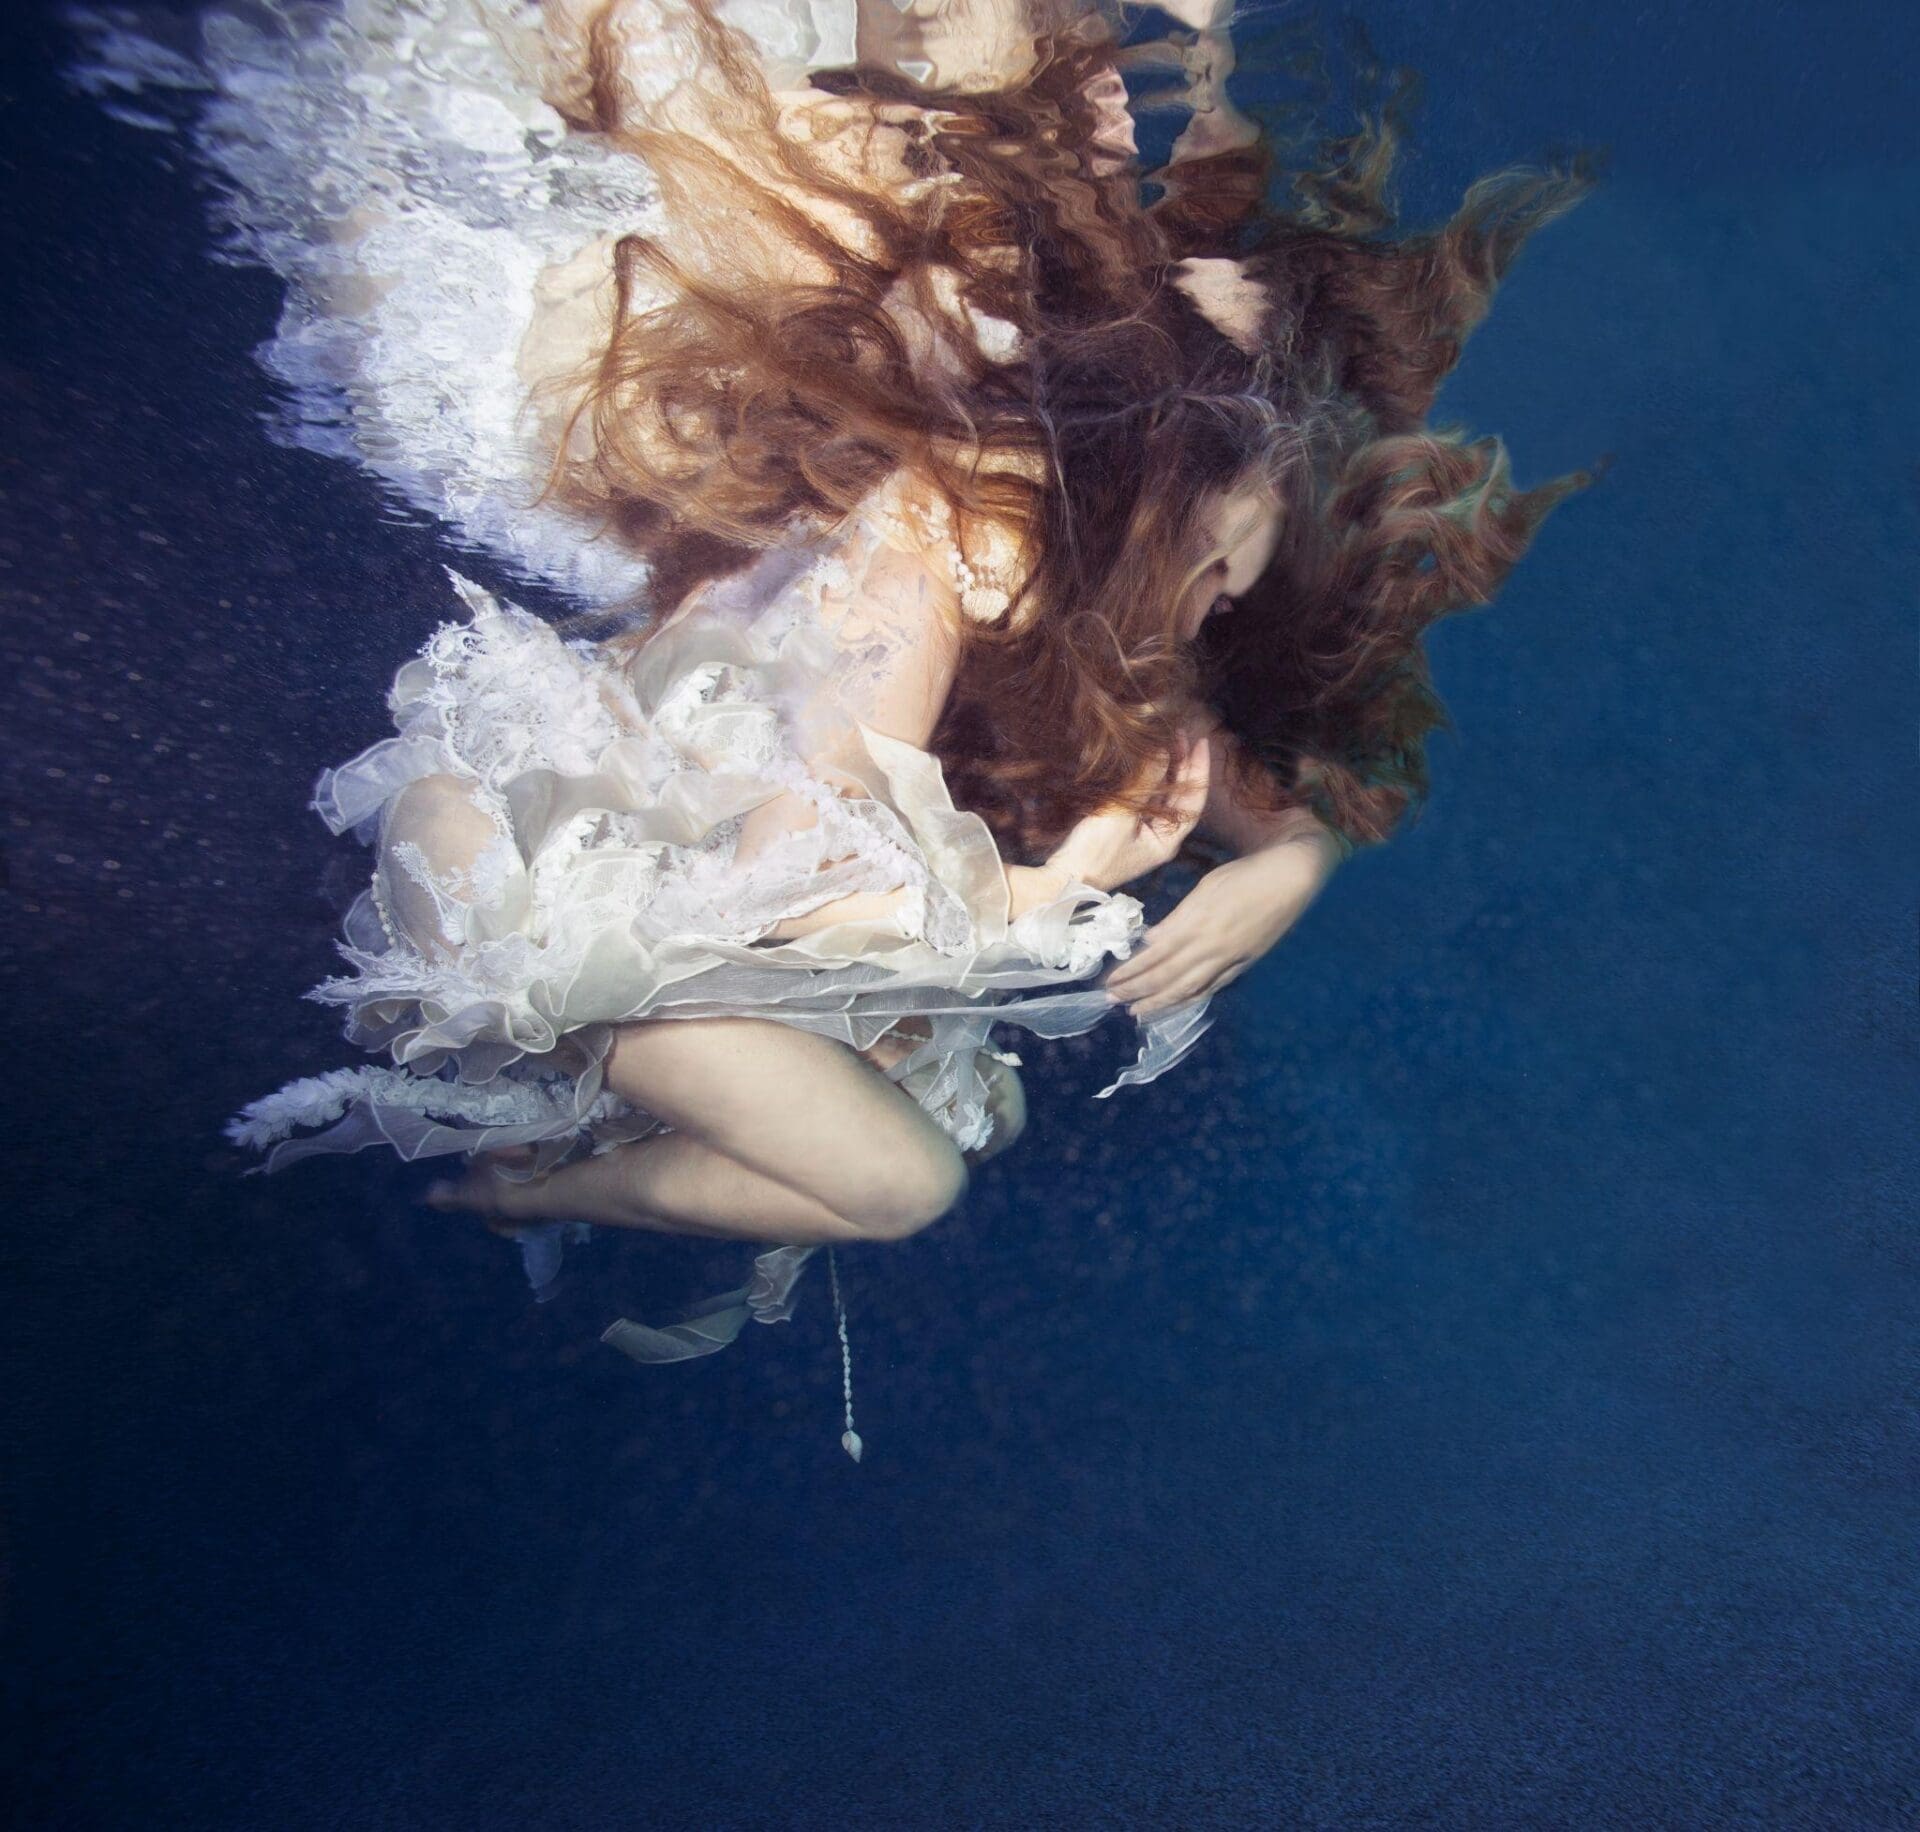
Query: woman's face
[1243,529]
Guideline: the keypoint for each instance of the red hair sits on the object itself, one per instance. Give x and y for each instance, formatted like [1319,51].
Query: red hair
[729,404]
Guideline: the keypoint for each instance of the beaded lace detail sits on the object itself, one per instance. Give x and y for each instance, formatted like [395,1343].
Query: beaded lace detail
[438,227]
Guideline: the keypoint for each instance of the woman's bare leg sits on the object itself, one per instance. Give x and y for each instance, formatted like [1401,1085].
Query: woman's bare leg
[673,1184]
[779,1135]
[439,817]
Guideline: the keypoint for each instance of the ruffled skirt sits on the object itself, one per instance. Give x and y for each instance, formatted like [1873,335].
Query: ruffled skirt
[610,889]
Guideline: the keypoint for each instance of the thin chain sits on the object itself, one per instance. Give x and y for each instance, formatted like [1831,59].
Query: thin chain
[849,1439]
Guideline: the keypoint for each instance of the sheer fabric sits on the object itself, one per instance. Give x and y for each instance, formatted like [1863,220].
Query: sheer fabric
[561,830]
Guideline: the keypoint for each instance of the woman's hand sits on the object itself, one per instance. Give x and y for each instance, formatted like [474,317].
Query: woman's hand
[1224,924]
[1114,846]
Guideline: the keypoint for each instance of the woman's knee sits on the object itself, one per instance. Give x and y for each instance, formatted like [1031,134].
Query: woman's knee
[902,1191]
[431,842]
[442,816]
[799,1109]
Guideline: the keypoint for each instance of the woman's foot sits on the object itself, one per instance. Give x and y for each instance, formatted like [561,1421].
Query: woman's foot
[482,1190]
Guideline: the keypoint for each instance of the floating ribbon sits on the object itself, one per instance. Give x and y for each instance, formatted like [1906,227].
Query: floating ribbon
[767,1297]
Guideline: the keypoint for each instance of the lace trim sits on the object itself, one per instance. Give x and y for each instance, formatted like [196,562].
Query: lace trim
[984,584]
[320,1100]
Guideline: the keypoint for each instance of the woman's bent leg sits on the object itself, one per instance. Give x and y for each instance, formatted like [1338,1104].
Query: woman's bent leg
[779,1135]
[672,1184]
[799,1109]
[436,824]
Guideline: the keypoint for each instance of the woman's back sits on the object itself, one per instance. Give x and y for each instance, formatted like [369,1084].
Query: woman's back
[873,412]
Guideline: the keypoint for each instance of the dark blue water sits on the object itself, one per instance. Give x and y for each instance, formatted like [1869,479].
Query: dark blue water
[1477,1391]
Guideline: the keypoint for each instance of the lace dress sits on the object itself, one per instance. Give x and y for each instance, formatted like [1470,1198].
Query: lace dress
[444,238]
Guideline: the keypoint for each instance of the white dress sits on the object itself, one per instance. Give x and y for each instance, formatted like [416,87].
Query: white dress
[437,226]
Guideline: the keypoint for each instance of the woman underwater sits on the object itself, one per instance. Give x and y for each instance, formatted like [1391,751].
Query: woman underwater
[967,532]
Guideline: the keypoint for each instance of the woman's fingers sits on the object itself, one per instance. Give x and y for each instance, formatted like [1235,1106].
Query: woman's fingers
[1165,941]
[1151,958]
[1133,966]
[1199,985]
[1179,992]
[1171,978]
[1167,969]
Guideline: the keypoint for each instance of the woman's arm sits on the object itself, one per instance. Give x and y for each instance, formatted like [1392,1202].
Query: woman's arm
[1245,829]
[1239,910]
[898,619]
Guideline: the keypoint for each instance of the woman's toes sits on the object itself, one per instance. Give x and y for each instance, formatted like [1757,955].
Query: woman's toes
[487,1190]
[479,1192]
[481,1187]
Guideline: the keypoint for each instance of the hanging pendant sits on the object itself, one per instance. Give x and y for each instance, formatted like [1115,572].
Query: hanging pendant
[849,1439]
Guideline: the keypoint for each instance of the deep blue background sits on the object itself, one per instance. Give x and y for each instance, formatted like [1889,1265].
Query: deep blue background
[1478,1390]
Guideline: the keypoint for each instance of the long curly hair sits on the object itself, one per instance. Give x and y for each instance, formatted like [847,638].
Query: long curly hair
[803,333]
